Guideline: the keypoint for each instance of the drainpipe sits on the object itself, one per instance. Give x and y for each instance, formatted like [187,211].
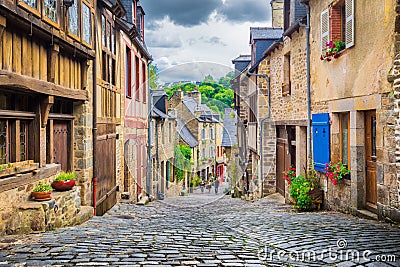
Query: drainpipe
[94,130]
[265,76]
[310,159]
[149,107]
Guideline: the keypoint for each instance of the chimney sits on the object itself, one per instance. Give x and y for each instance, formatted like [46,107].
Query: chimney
[196,95]
[277,13]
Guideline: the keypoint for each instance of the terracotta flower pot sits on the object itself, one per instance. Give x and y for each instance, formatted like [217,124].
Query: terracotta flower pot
[63,185]
[41,196]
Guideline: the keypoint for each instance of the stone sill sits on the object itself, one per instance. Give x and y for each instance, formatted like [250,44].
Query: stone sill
[30,177]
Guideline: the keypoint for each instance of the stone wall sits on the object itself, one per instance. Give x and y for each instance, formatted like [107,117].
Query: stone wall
[19,214]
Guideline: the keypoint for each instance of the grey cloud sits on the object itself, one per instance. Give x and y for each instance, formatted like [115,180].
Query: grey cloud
[249,10]
[214,40]
[181,12]
[190,13]
[163,41]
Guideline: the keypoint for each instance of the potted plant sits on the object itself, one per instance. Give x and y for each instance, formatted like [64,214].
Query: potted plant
[306,192]
[42,192]
[64,181]
[336,172]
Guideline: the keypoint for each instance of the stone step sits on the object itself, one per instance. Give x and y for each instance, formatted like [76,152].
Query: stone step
[366,214]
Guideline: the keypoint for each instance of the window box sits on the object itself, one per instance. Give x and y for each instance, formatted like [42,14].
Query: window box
[15,168]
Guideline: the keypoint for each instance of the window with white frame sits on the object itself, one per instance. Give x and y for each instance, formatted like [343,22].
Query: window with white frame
[337,24]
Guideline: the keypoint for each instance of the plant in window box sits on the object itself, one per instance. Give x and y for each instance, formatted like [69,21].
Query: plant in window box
[42,192]
[333,50]
[64,181]
[336,172]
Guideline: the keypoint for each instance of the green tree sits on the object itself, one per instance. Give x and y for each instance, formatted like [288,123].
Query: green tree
[153,80]
[183,156]
[209,79]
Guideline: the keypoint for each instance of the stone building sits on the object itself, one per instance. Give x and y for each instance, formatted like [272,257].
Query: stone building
[230,147]
[201,122]
[356,93]
[164,140]
[285,64]
[46,86]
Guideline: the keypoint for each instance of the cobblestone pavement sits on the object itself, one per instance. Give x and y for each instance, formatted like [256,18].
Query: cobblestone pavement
[209,230]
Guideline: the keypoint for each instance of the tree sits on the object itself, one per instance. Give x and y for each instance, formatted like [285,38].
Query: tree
[153,79]
[209,79]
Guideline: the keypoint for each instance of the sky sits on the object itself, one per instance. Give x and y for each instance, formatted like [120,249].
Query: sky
[189,39]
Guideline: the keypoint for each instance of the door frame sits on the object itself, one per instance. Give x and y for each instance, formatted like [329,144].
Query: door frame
[370,161]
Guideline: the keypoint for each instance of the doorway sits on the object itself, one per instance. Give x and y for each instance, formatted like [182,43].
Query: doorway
[370,161]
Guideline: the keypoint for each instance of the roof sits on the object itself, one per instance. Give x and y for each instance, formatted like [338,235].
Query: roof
[265,33]
[229,137]
[242,58]
[206,115]
[186,134]
[156,113]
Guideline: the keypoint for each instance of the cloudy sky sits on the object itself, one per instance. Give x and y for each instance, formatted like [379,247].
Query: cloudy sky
[189,39]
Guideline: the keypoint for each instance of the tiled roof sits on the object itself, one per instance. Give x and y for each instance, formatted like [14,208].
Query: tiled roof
[242,58]
[186,134]
[206,115]
[262,33]
[229,137]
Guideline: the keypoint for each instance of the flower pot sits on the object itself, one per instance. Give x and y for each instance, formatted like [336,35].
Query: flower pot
[42,196]
[63,185]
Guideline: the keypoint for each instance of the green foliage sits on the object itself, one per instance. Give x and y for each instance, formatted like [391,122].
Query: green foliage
[300,188]
[195,181]
[183,156]
[65,176]
[42,188]
[6,166]
[153,76]
[216,95]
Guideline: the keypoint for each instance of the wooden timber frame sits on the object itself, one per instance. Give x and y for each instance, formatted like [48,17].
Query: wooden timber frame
[40,61]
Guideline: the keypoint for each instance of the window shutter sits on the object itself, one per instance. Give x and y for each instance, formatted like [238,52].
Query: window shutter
[321,140]
[349,23]
[324,29]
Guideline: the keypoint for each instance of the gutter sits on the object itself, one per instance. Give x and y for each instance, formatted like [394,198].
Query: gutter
[94,130]
[265,76]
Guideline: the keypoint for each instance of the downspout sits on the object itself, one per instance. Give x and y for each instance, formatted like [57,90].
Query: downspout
[94,130]
[149,107]
[157,158]
[265,76]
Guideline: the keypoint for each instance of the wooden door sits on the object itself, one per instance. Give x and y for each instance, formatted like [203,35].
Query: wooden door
[280,167]
[61,145]
[106,169]
[370,160]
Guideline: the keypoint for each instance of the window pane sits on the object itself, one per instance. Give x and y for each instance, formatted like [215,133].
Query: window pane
[345,134]
[103,30]
[87,24]
[113,40]
[31,3]
[23,135]
[108,34]
[3,142]
[50,9]
[73,19]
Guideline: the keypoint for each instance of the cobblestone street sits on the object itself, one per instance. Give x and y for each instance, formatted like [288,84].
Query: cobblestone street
[209,230]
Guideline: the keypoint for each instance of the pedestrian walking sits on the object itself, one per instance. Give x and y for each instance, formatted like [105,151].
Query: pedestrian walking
[216,185]
[202,185]
[208,186]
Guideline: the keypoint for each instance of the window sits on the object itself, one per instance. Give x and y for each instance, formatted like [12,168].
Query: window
[203,134]
[286,86]
[137,79]
[204,153]
[108,50]
[344,125]
[50,10]
[321,140]
[13,140]
[74,19]
[86,24]
[337,23]
[144,81]
[162,134]
[211,133]
[253,107]
[128,72]
[32,3]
